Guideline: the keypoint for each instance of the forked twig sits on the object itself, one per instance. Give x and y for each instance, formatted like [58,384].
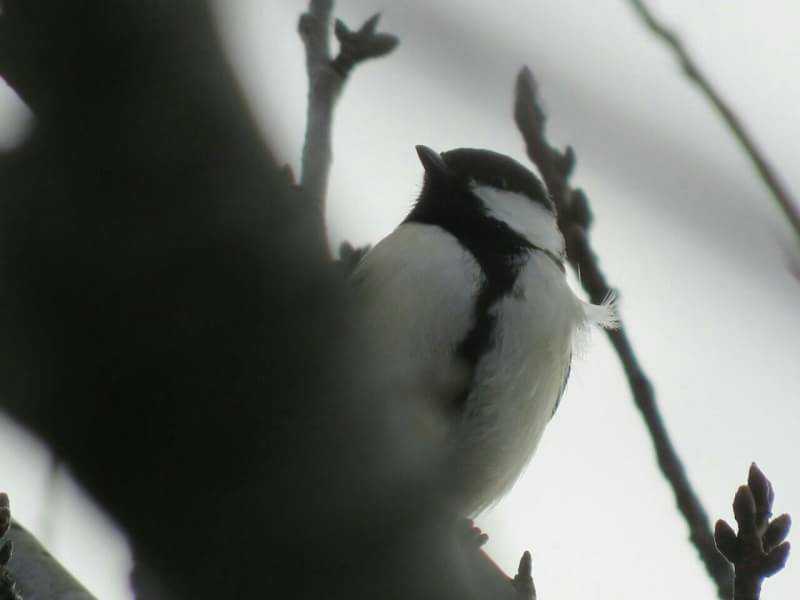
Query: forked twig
[326,79]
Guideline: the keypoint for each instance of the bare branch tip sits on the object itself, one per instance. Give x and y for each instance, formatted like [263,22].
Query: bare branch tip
[523,580]
[526,83]
[383,43]
[525,565]
[341,31]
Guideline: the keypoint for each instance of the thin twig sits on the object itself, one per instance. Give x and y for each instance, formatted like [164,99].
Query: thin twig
[326,79]
[756,155]
[574,218]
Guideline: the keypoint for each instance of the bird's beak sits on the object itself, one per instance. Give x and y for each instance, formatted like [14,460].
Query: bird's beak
[432,162]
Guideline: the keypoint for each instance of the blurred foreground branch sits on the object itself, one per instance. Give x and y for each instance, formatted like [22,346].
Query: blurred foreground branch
[574,217]
[161,288]
[326,79]
[765,170]
[758,551]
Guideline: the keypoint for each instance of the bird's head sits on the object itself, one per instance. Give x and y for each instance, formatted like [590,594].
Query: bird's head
[475,169]
[473,184]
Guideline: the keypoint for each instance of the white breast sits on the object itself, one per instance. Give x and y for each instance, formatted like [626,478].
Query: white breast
[416,292]
[517,383]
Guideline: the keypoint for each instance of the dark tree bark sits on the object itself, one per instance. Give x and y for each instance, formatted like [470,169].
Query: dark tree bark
[167,303]
[174,328]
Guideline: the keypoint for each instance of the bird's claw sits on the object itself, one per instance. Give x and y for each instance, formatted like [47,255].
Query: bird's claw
[472,536]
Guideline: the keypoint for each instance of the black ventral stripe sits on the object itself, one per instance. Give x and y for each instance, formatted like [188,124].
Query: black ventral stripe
[497,285]
[500,253]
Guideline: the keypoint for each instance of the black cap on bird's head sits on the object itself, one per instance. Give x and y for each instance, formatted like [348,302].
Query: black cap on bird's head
[462,168]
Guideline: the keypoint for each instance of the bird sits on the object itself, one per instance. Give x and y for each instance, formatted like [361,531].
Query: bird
[468,314]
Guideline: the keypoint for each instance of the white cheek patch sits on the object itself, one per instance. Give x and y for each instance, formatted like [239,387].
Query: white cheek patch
[520,213]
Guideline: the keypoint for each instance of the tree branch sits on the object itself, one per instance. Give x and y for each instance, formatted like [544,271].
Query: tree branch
[575,217]
[758,551]
[767,173]
[326,79]
[27,570]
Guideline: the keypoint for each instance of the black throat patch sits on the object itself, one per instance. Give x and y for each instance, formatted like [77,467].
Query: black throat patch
[500,252]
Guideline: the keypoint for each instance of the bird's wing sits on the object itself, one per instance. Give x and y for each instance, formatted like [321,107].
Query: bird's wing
[415,298]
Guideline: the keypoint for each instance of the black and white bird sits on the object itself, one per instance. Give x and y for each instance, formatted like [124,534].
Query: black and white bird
[467,305]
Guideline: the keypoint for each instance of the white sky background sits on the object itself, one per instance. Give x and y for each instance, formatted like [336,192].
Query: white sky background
[683,227]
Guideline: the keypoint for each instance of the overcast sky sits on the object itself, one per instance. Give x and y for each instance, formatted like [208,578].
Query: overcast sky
[684,229]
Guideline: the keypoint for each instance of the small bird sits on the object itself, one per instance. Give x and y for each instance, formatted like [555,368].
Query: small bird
[467,306]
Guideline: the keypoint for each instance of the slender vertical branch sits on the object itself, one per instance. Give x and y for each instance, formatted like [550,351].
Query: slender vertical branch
[324,86]
[574,217]
[326,79]
[690,68]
